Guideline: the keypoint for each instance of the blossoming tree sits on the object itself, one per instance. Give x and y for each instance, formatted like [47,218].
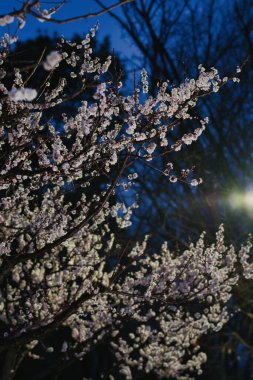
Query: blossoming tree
[61,264]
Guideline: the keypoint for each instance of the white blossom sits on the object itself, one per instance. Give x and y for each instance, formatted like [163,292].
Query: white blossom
[52,60]
[57,251]
[8,19]
[22,94]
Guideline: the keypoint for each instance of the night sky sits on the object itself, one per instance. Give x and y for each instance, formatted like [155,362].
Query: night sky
[73,8]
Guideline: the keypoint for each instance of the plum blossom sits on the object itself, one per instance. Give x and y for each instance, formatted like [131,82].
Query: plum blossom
[151,148]
[62,264]
[144,81]
[22,94]
[7,19]
[52,60]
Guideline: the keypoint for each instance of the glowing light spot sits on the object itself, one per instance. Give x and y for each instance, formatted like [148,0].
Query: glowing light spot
[241,200]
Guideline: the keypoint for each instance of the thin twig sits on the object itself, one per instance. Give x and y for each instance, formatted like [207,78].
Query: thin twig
[28,9]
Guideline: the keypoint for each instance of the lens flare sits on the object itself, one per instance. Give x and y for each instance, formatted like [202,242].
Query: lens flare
[241,200]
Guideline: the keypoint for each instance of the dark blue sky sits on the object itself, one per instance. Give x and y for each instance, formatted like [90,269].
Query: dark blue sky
[73,8]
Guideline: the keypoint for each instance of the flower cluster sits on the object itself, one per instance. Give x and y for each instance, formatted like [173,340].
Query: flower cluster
[22,94]
[6,20]
[61,187]
[52,60]
[144,81]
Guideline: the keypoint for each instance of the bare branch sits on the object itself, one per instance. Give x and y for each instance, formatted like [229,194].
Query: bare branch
[29,9]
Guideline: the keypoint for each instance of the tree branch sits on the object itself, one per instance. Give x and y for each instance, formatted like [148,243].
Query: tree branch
[28,9]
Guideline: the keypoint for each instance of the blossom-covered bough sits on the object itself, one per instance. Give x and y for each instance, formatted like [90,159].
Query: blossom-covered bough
[61,185]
